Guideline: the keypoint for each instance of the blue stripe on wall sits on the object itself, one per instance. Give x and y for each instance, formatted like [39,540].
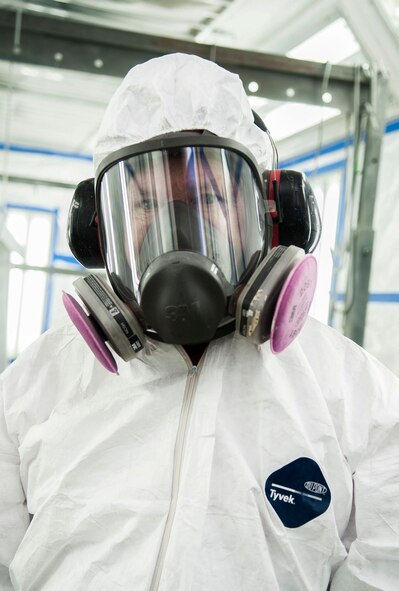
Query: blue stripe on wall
[44,152]
[67,259]
[390,127]
[327,168]
[34,208]
[328,149]
[381,298]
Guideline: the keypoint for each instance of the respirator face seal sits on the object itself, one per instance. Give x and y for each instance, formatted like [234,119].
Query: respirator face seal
[187,193]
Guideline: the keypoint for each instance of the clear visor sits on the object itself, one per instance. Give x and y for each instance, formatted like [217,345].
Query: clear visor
[201,199]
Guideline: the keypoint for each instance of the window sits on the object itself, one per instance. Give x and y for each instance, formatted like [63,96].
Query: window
[33,229]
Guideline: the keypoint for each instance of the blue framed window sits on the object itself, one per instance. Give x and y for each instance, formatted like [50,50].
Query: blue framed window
[34,229]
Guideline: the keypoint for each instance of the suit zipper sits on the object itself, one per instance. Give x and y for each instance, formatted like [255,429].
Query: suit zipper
[180,446]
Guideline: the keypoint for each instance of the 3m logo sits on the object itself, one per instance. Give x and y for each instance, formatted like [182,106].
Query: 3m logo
[316,487]
[182,312]
[298,492]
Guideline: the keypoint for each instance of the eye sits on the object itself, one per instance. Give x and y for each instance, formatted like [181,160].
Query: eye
[212,199]
[148,204]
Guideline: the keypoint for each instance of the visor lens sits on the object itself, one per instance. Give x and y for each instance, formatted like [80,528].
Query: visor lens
[203,199]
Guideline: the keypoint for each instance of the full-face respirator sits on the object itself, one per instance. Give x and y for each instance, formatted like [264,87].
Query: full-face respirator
[196,242]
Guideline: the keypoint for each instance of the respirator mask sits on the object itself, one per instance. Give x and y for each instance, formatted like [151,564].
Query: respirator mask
[196,242]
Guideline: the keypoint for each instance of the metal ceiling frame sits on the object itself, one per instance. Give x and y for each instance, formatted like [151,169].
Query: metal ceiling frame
[44,40]
[380,42]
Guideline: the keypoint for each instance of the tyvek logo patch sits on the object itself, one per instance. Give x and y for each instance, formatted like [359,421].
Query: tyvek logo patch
[298,492]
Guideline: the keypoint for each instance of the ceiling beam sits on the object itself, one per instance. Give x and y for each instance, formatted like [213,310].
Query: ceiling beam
[48,41]
[375,34]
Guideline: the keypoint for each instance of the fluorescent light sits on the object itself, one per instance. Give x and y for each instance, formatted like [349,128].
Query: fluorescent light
[291,118]
[332,44]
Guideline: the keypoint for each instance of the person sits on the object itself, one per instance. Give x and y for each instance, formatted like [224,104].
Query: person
[210,462]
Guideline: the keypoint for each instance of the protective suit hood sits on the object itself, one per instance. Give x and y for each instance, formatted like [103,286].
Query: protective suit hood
[179,92]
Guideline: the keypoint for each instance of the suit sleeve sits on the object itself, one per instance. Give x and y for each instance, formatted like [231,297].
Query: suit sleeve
[371,444]
[14,516]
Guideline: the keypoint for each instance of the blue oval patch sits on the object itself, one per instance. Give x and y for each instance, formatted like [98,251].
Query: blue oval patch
[298,492]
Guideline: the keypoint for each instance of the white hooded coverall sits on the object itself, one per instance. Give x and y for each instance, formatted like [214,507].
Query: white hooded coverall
[172,478]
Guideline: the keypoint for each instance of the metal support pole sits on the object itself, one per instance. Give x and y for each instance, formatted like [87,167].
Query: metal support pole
[362,234]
